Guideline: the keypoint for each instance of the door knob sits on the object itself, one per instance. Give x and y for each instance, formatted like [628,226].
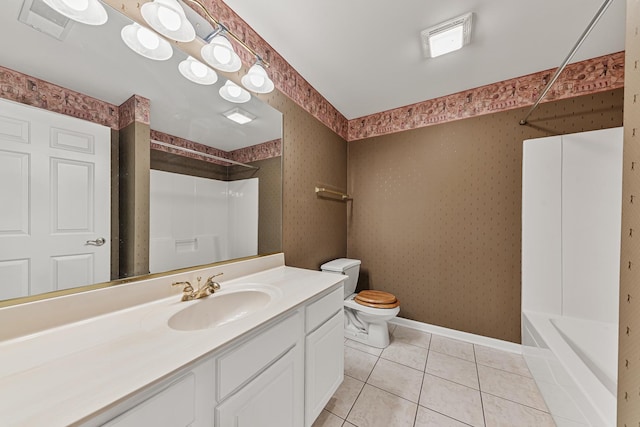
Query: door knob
[98,242]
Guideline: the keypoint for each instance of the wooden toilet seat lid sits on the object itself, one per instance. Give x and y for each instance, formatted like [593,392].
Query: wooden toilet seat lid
[377,299]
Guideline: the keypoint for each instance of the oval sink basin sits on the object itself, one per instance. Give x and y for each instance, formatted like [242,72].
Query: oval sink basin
[222,307]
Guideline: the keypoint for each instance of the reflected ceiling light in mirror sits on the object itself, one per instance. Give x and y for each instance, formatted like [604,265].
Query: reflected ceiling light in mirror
[220,54]
[234,93]
[168,18]
[89,12]
[239,116]
[145,42]
[257,80]
[197,72]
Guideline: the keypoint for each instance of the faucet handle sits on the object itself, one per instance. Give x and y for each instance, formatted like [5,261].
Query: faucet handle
[213,284]
[187,286]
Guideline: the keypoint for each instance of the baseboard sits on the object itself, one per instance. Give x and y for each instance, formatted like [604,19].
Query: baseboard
[459,335]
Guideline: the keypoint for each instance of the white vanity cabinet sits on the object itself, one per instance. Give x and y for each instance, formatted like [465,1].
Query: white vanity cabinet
[280,374]
[324,352]
[261,381]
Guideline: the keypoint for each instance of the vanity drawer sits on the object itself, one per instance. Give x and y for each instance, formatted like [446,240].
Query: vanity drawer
[319,311]
[240,364]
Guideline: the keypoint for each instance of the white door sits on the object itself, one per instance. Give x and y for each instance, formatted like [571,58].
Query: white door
[54,201]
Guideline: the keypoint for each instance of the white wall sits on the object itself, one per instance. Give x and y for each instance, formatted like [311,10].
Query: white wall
[196,221]
[243,217]
[571,212]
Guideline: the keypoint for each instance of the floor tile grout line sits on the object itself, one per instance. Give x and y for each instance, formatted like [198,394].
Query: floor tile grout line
[451,355]
[392,393]
[484,418]
[360,392]
[455,382]
[504,370]
[513,401]
[424,373]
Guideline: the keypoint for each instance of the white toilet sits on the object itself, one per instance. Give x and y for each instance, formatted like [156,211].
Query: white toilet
[365,314]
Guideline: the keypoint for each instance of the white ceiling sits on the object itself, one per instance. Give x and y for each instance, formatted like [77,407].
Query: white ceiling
[94,61]
[364,56]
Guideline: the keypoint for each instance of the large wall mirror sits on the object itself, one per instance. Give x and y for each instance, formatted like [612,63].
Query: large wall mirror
[94,61]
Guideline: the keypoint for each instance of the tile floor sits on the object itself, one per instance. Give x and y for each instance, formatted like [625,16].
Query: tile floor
[425,380]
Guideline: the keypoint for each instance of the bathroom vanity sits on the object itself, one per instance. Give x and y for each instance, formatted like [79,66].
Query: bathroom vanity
[264,350]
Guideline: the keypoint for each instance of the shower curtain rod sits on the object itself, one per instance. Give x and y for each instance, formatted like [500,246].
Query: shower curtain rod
[199,153]
[584,35]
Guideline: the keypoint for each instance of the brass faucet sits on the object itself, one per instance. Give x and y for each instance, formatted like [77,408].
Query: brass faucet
[188,293]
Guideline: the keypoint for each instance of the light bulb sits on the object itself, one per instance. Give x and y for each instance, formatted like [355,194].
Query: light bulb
[198,68]
[169,18]
[234,91]
[148,38]
[222,54]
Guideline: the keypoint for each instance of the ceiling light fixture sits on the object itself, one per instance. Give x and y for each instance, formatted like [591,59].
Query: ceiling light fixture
[197,72]
[447,36]
[239,116]
[220,54]
[145,42]
[234,93]
[256,80]
[89,12]
[168,18]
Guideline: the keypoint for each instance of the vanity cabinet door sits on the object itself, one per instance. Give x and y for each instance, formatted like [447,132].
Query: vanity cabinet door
[324,367]
[173,407]
[273,399]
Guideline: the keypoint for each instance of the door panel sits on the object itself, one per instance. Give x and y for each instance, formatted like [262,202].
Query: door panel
[55,192]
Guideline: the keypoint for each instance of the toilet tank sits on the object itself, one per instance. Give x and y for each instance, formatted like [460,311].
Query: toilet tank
[349,267]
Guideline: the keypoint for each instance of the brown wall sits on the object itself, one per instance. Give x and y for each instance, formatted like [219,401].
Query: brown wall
[629,328]
[436,215]
[314,229]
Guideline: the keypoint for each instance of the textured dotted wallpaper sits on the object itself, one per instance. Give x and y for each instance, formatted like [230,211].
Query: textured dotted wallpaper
[436,215]
[314,229]
[629,328]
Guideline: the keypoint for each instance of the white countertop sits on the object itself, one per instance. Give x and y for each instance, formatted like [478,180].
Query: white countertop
[62,375]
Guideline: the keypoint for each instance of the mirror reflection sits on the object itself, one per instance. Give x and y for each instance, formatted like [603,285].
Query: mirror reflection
[201,208]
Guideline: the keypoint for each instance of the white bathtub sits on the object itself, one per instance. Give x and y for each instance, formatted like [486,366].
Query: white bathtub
[575,364]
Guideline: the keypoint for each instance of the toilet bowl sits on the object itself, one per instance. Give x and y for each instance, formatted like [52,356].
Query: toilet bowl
[366,313]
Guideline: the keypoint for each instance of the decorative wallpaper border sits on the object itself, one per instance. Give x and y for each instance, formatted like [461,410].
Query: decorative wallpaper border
[581,78]
[263,151]
[135,109]
[25,89]
[253,153]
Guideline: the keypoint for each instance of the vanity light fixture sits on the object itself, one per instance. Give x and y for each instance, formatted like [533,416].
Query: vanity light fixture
[447,36]
[234,93]
[145,42]
[256,80]
[220,54]
[197,72]
[89,12]
[239,116]
[168,18]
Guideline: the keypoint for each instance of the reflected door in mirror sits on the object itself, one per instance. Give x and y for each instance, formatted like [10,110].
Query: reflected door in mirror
[55,198]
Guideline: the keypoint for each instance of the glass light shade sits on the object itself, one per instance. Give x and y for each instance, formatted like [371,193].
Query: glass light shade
[257,80]
[145,42]
[220,54]
[234,93]
[168,18]
[89,12]
[197,72]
